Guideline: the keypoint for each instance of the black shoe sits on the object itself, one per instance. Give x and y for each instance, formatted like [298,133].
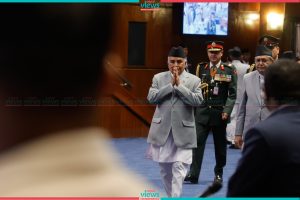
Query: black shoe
[218,180]
[191,179]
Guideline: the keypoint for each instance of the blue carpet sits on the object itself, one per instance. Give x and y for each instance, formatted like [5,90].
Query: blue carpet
[132,151]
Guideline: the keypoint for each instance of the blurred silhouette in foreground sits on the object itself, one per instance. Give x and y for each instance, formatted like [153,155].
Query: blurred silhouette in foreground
[270,162]
[50,82]
[289,55]
[212,189]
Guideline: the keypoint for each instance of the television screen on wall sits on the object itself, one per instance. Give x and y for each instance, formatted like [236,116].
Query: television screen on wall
[205,18]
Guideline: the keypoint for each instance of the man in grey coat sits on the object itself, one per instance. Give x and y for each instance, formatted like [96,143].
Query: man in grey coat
[252,108]
[172,133]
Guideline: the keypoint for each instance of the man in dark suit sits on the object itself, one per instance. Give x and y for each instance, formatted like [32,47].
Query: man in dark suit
[270,163]
[219,91]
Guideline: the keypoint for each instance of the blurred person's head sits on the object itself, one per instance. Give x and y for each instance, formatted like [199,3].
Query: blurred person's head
[289,55]
[246,55]
[185,49]
[279,89]
[214,51]
[263,58]
[51,57]
[176,59]
[235,53]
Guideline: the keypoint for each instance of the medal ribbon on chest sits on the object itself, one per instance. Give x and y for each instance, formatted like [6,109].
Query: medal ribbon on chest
[213,71]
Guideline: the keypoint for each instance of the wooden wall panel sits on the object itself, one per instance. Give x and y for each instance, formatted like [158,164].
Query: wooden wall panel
[292,10]
[158,36]
[141,81]
[120,122]
[291,17]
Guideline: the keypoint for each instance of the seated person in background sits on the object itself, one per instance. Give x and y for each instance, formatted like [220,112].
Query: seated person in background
[51,58]
[270,162]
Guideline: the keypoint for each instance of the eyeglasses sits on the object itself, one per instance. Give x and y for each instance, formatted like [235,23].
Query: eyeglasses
[263,60]
[176,61]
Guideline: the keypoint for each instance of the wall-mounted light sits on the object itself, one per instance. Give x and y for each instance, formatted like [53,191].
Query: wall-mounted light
[253,16]
[274,21]
[249,22]
[250,18]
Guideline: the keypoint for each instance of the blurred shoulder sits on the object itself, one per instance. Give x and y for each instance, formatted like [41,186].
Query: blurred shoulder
[240,65]
[245,65]
[228,66]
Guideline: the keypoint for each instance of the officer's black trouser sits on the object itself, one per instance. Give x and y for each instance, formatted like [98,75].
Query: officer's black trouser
[219,136]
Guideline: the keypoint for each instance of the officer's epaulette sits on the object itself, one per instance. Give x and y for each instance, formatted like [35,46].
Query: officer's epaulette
[228,65]
[198,67]
[202,63]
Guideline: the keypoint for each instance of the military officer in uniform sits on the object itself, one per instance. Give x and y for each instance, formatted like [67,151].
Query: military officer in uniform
[271,43]
[219,92]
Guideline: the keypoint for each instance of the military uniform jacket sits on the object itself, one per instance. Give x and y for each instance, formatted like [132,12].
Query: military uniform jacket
[219,96]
